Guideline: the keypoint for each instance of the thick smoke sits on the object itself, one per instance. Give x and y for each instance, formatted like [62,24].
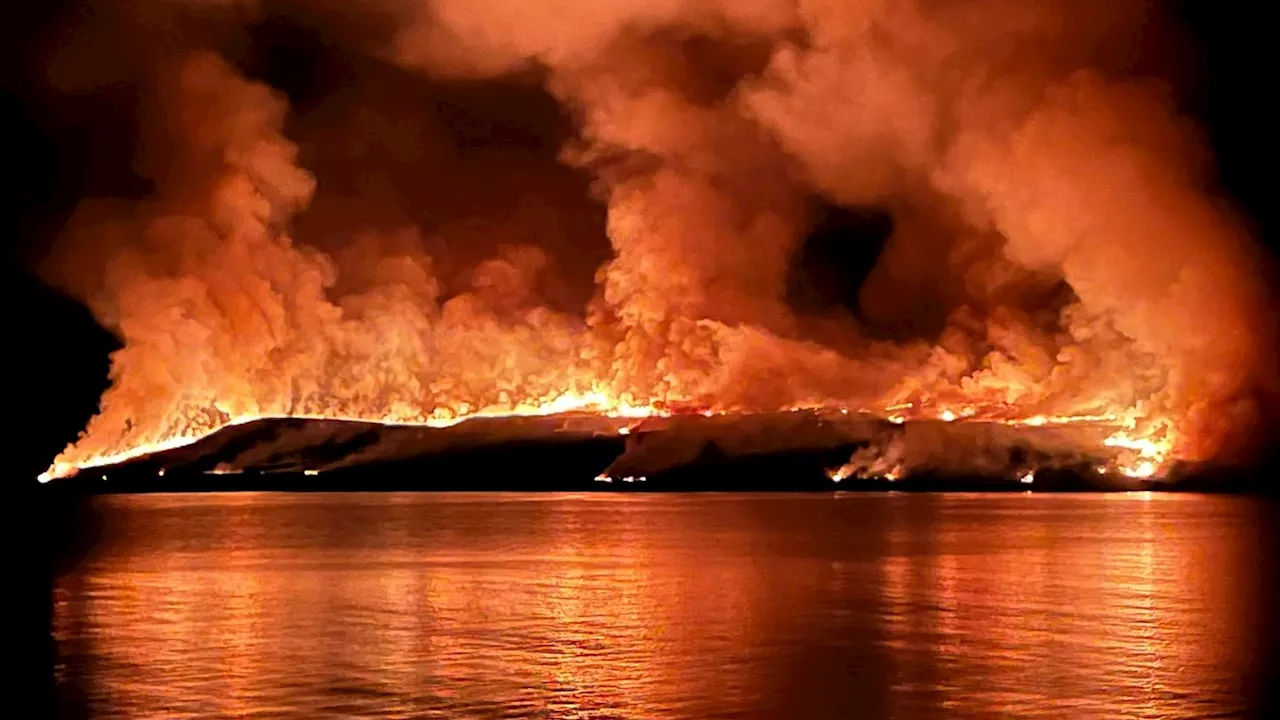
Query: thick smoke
[1049,208]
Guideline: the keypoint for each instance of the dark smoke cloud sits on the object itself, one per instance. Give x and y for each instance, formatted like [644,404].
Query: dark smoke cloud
[499,200]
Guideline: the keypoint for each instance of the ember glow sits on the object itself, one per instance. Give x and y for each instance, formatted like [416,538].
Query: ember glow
[1047,202]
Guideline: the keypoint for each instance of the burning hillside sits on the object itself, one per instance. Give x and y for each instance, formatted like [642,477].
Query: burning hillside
[1056,259]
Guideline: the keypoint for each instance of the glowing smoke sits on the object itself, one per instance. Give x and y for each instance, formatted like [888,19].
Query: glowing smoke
[1004,136]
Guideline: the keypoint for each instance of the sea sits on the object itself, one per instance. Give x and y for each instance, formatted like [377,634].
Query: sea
[667,605]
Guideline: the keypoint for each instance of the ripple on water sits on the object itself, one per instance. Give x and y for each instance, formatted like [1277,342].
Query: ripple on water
[627,606]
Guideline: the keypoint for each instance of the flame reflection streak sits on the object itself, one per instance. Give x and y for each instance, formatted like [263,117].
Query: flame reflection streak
[640,606]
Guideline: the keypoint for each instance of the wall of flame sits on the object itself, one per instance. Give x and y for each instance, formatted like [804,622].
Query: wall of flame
[1016,143]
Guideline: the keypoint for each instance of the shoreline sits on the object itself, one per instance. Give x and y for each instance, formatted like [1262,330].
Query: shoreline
[788,452]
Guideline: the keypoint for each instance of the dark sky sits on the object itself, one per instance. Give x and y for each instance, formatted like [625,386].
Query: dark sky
[57,152]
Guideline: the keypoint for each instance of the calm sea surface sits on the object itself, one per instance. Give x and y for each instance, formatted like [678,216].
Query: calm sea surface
[658,606]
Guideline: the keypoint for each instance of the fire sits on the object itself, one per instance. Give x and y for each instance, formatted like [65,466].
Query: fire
[1145,447]
[1144,469]
[1145,455]
[593,401]
[1083,277]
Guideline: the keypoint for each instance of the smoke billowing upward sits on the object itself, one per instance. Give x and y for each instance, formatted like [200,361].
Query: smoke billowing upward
[508,207]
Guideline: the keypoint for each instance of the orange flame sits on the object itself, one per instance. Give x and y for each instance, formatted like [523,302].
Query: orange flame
[1143,455]
[1067,181]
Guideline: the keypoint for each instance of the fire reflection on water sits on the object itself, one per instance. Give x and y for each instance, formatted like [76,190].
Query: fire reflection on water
[1134,616]
[659,606]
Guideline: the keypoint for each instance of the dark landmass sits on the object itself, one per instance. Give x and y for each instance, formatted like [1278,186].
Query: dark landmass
[794,451]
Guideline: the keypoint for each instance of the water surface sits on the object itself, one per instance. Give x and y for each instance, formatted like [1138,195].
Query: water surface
[665,606]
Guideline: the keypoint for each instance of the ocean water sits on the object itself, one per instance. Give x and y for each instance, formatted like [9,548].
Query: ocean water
[475,605]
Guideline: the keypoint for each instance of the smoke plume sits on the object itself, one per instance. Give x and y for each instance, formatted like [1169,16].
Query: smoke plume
[369,256]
